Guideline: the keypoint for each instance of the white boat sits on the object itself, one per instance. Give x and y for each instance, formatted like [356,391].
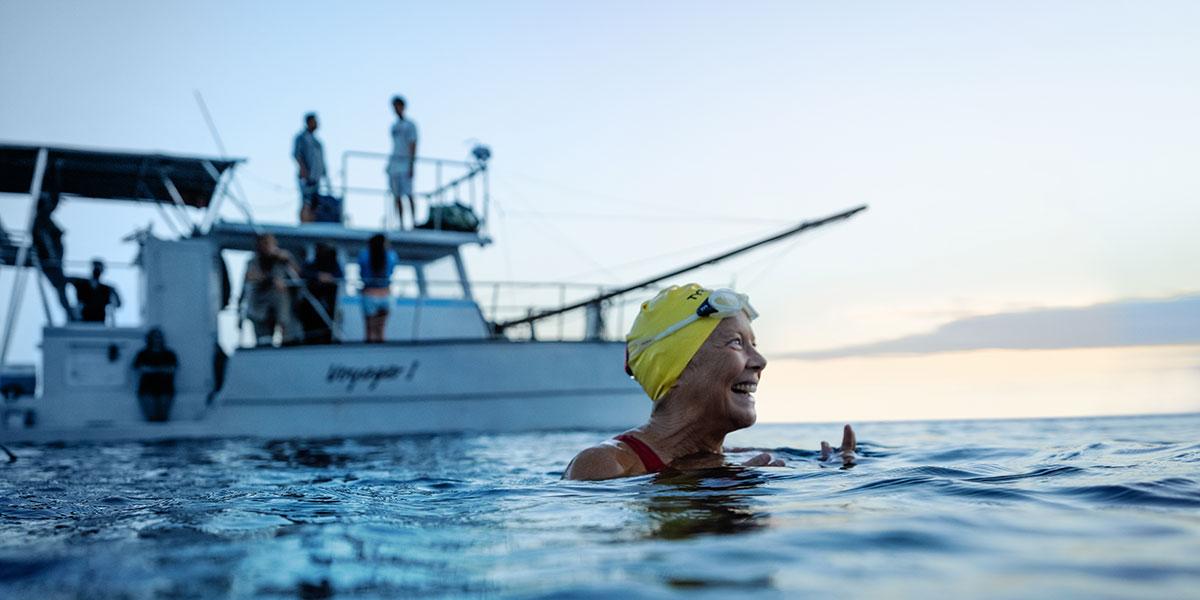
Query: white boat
[444,366]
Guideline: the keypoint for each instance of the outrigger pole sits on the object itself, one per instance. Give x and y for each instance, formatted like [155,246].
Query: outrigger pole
[595,301]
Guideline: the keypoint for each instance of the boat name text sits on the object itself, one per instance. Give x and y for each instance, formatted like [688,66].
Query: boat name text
[352,376]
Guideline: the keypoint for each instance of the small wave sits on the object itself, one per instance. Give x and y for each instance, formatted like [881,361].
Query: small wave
[1054,471]
[969,453]
[1129,494]
[455,516]
[983,493]
[895,482]
[935,471]
[907,539]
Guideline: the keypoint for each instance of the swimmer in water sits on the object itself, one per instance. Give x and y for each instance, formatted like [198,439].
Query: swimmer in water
[692,349]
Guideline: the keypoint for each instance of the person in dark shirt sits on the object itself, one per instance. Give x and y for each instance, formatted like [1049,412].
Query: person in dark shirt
[156,365]
[48,247]
[93,297]
[322,276]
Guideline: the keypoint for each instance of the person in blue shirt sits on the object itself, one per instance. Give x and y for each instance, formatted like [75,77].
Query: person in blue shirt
[375,265]
[309,155]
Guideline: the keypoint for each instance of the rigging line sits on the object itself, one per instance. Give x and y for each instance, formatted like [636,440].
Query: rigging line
[681,251]
[802,227]
[502,182]
[566,240]
[574,190]
[266,182]
[643,216]
[503,214]
[240,198]
[772,261]
[670,214]
[244,205]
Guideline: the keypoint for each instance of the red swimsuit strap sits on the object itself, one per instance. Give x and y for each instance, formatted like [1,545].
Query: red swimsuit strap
[650,460]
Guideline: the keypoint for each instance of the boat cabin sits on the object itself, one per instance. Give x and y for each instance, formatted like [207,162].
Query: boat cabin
[185,289]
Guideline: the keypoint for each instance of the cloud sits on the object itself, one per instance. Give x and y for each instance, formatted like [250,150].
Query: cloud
[1121,323]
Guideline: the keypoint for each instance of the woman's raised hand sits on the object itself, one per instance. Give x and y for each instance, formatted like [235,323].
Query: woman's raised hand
[846,450]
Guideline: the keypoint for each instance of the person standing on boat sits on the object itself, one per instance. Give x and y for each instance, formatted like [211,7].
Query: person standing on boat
[93,297]
[310,160]
[321,275]
[48,246]
[266,296]
[400,165]
[156,365]
[375,265]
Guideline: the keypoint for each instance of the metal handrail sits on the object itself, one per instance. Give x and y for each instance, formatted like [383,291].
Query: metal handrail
[492,311]
[475,170]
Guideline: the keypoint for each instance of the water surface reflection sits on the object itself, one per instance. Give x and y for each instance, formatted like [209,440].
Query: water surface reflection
[711,501]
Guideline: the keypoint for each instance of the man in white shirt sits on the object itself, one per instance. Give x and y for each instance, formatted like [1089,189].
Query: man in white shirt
[310,158]
[400,166]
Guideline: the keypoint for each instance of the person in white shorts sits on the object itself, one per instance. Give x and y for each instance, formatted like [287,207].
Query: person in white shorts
[400,165]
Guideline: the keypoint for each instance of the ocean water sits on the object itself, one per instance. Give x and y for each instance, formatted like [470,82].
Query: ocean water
[1072,508]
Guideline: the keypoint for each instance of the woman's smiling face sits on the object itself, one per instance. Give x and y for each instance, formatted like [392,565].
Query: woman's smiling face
[723,375]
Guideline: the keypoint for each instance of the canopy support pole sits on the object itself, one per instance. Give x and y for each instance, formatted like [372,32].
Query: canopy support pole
[462,275]
[42,291]
[14,303]
[218,196]
[179,203]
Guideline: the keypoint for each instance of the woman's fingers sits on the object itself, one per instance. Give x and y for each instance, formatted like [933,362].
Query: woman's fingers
[849,442]
[760,460]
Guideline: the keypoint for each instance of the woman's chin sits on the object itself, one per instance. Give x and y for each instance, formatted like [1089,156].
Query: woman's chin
[742,411]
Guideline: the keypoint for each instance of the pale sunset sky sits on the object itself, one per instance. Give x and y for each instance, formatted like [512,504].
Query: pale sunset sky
[1031,167]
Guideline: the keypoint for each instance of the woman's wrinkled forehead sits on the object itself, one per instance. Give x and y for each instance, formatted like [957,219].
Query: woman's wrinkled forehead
[737,324]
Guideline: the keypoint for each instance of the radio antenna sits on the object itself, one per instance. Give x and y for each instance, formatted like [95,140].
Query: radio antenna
[239,199]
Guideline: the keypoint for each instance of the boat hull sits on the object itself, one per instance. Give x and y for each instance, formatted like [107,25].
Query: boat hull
[399,388]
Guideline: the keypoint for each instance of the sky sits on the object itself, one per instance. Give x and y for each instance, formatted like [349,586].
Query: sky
[1019,158]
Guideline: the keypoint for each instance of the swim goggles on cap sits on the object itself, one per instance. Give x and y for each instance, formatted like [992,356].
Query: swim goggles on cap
[721,303]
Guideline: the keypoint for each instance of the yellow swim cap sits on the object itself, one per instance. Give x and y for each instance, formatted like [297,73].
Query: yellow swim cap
[671,327]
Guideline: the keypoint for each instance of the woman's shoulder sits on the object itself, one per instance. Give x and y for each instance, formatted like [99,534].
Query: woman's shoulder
[605,460]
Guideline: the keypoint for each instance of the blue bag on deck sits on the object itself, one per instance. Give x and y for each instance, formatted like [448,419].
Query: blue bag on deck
[327,209]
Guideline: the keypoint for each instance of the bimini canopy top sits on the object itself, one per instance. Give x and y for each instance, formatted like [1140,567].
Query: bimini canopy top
[106,175]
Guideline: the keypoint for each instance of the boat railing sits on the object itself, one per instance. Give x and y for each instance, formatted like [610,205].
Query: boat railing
[497,301]
[502,301]
[462,182]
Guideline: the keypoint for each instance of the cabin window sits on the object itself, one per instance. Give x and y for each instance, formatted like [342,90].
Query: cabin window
[442,278]
[405,282]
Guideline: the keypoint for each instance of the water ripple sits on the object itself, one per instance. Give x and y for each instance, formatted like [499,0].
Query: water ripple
[930,508]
